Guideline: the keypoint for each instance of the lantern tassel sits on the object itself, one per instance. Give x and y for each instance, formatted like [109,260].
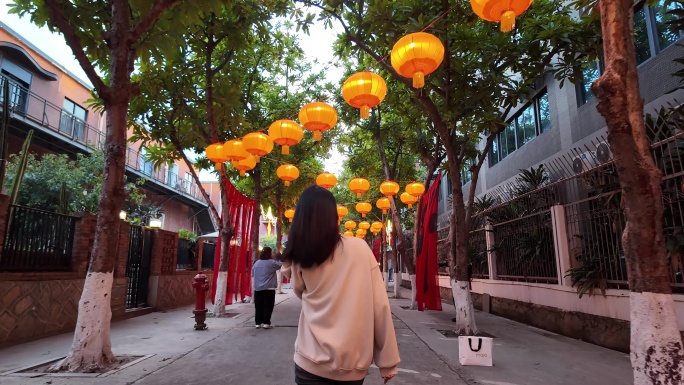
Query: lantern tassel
[363,215]
[410,206]
[257,157]
[242,173]
[285,150]
[287,183]
[317,136]
[358,195]
[507,21]
[365,112]
[418,80]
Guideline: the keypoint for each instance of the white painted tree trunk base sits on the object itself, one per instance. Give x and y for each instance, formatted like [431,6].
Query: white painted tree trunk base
[91,348]
[397,285]
[414,304]
[385,277]
[220,298]
[279,277]
[656,345]
[465,312]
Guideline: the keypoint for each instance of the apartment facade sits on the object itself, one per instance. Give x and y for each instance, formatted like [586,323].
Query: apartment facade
[49,99]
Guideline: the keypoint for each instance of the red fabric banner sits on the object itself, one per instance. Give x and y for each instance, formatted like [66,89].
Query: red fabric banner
[427,281]
[239,268]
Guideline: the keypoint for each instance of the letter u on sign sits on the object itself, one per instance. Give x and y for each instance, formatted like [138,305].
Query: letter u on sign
[475,351]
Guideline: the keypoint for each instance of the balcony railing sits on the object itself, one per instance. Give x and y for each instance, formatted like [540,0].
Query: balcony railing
[40,111]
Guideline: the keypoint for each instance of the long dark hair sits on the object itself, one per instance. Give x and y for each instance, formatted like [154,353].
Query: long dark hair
[314,232]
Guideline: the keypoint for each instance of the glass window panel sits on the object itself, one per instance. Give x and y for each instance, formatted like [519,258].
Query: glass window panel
[544,113]
[510,137]
[520,130]
[494,153]
[69,106]
[643,50]
[667,33]
[503,148]
[590,72]
[80,113]
[529,123]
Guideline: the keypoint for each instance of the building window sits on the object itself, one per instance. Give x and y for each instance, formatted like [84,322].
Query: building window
[18,90]
[532,120]
[188,183]
[466,175]
[590,72]
[653,32]
[172,176]
[72,121]
[146,165]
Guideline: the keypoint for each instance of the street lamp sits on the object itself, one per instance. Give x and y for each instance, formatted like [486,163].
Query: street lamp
[155,222]
[122,215]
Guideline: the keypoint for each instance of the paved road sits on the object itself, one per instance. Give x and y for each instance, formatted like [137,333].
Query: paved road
[248,356]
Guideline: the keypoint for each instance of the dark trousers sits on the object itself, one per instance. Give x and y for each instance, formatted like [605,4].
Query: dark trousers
[264,301]
[302,377]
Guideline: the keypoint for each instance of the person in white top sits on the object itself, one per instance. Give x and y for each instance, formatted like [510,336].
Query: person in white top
[345,324]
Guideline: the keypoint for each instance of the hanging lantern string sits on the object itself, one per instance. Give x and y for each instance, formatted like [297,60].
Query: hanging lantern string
[436,19]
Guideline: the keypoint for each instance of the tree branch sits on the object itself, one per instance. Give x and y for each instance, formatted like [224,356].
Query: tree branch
[57,13]
[146,22]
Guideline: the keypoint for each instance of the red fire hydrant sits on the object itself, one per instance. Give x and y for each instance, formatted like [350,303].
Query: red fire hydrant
[201,286]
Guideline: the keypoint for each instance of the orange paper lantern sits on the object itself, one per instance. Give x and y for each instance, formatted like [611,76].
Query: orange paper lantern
[503,11]
[326,180]
[359,186]
[416,55]
[408,199]
[349,233]
[214,153]
[318,117]
[257,144]
[289,214]
[285,133]
[341,212]
[383,204]
[244,165]
[349,225]
[288,173]
[363,208]
[234,150]
[364,225]
[416,189]
[376,226]
[360,233]
[389,188]
[364,90]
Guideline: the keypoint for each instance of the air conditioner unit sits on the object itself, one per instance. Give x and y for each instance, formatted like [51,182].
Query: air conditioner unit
[603,153]
[584,162]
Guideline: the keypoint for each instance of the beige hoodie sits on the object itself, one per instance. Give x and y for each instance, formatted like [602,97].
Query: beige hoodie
[346,322]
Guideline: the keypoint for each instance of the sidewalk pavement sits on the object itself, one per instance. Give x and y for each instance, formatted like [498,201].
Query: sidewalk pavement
[231,351]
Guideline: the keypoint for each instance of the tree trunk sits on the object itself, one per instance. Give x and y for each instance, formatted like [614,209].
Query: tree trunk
[458,237]
[226,233]
[279,217]
[91,349]
[400,249]
[256,177]
[656,346]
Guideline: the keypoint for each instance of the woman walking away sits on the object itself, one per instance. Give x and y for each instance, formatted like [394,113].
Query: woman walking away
[345,324]
[264,278]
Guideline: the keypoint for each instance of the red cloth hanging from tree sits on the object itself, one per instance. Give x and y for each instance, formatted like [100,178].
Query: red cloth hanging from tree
[427,280]
[239,270]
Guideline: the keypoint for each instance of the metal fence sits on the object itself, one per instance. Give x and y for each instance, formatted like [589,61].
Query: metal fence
[525,249]
[208,253]
[186,254]
[477,254]
[37,240]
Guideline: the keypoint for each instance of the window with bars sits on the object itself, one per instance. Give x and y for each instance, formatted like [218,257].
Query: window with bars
[532,120]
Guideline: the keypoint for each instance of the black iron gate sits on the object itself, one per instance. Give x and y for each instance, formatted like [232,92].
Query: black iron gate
[138,266]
